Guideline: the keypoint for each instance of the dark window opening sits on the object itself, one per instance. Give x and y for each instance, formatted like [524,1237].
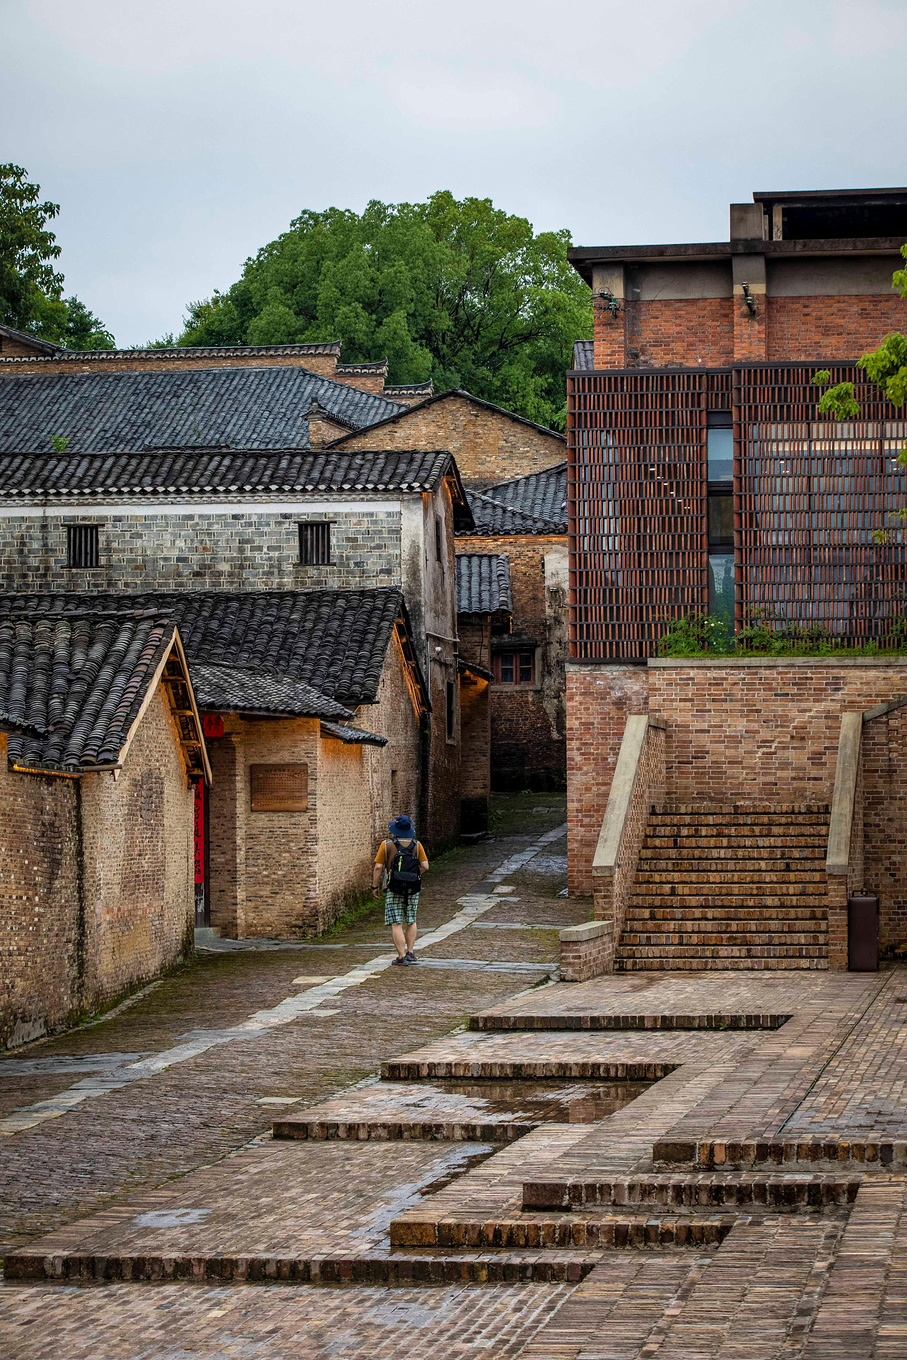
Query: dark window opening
[514,668]
[451,711]
[438,556]
[82,545]
[315,544]
[721,520]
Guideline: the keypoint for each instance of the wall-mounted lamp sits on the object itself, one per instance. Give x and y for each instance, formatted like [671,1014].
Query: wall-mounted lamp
[610,301]
[749,299]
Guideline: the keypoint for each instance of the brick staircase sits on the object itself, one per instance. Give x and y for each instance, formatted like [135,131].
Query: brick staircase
[729,887]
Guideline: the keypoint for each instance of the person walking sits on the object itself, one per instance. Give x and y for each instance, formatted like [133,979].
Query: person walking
[400,864]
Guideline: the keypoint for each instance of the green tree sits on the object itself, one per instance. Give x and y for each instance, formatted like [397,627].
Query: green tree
[455,290]
[31,288]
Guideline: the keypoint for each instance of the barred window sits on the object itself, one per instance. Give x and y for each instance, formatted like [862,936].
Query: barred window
[82,545]
[315,544]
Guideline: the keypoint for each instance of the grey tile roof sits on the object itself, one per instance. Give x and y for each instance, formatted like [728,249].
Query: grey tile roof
[79,681]
[234,689]
[333,640]
[48,347]
[583,354]
[483,584]
[242,352]
[355,736]
[535,504]
[423,389]
[119,412]
[157,472]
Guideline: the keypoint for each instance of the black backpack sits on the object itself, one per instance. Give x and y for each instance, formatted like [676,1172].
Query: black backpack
[404,875]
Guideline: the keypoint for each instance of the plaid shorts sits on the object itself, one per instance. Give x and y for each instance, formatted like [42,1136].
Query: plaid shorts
[398,911]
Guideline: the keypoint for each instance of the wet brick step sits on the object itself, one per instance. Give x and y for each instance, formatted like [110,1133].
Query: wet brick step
[529,1069]
[712,1021]
[704,1191]
[604,1231]
[385,1268]
[840,1150]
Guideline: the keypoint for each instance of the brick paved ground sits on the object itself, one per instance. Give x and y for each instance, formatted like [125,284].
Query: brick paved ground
[747,1204]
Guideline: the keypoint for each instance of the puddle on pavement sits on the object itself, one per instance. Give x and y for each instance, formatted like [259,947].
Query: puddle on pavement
[537,1102]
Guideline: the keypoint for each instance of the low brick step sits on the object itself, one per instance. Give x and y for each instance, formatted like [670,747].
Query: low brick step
[665,949]
[730,855]
[402,1130]
[649,919]
[486,1267]
[798,918]
[695,836]
[420,1228]
[744,809]
[714,1020]
[703,1190]
[654,894]
[812,1152]
[697,873]
[725,816]
[530,1069]
[697,939]
[704,964]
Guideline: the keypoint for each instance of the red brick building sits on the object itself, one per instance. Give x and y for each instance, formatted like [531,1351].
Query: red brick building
[702,481]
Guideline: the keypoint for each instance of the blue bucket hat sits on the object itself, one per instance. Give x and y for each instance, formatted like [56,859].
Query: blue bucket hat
[402,827]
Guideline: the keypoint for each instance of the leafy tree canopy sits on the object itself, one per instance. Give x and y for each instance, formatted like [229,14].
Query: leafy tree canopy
[31,288]
[457,291]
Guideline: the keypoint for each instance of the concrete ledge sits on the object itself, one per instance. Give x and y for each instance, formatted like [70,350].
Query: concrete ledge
[589,930]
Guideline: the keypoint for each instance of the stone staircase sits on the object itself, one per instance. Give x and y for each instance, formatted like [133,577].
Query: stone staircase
[729,887]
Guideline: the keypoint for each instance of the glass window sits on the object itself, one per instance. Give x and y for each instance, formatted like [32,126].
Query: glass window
[720,441]
[721,588]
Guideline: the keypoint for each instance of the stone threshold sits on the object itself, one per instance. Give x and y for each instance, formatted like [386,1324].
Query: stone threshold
[403,1130]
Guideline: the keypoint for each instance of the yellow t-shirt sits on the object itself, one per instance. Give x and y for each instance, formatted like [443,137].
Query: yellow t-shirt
[381,857]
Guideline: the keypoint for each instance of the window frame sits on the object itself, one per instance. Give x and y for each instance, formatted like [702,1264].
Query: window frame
[517,653]
[311,552]
[83,541]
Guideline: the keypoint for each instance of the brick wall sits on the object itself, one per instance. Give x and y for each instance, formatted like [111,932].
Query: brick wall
[529,724]
[698,332]
[96,881]
[487,446]
[216,549]
[831,327]
[686,331]
[599,698]
[345,848]
[761,732]
[289,874]
[758,732]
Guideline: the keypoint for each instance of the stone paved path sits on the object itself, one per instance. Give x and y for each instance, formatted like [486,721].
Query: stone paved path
[745,1200]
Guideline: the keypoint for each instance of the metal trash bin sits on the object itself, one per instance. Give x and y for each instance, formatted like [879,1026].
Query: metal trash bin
[863,934]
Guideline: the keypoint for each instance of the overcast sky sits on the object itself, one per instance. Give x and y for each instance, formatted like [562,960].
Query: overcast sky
[181,135]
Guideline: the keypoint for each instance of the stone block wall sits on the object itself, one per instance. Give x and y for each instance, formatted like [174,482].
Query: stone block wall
[488,445]
[96,881]
[475,754]
[345,838]
[214,547]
